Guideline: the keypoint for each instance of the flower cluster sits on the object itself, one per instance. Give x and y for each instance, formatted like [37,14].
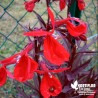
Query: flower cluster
[54,52]
[46,47]
[29,6]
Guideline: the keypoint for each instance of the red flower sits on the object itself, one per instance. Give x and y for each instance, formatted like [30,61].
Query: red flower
[76,30]
[41,32]
[62,4]
[29,6]
[54,51]
[13,59]
[60,22]
[38,33]
[3,76]
[81,4]
[9,60]
[50,86]
[25,68]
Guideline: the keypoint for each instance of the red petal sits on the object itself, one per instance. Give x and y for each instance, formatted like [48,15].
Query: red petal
[9,60]
[76,30]
[25,68]
[54,51]
[81,4]
[54,71]
[12,59]
[27,49]
[40,71]
[29,6]
[49,81]
[44,67]
[3,76]
[60,22]
[59,70]
[9,74]
[62,4]
[37,33]
[51,15]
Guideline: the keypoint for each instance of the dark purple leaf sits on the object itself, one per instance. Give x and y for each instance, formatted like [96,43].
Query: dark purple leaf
[31,86]
[86,46]
[81,67]
[21,91]
[66,89]
[71,75]
[36,81]
[40,20]
[88,52]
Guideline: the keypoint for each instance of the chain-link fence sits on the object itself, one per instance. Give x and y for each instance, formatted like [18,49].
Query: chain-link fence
[14,18]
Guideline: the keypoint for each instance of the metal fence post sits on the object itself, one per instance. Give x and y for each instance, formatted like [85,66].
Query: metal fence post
[74,10]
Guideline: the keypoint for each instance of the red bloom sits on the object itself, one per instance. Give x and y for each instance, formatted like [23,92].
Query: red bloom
[50,86]
[62,4]
[54,51]
[81,4]
[39,33]
[76,30]
[9,60]
[13,59]
[3,76]
[60,22]
[25,68]
[29,6]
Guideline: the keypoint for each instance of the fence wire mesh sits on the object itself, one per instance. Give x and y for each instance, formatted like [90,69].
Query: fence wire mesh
[13,19]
